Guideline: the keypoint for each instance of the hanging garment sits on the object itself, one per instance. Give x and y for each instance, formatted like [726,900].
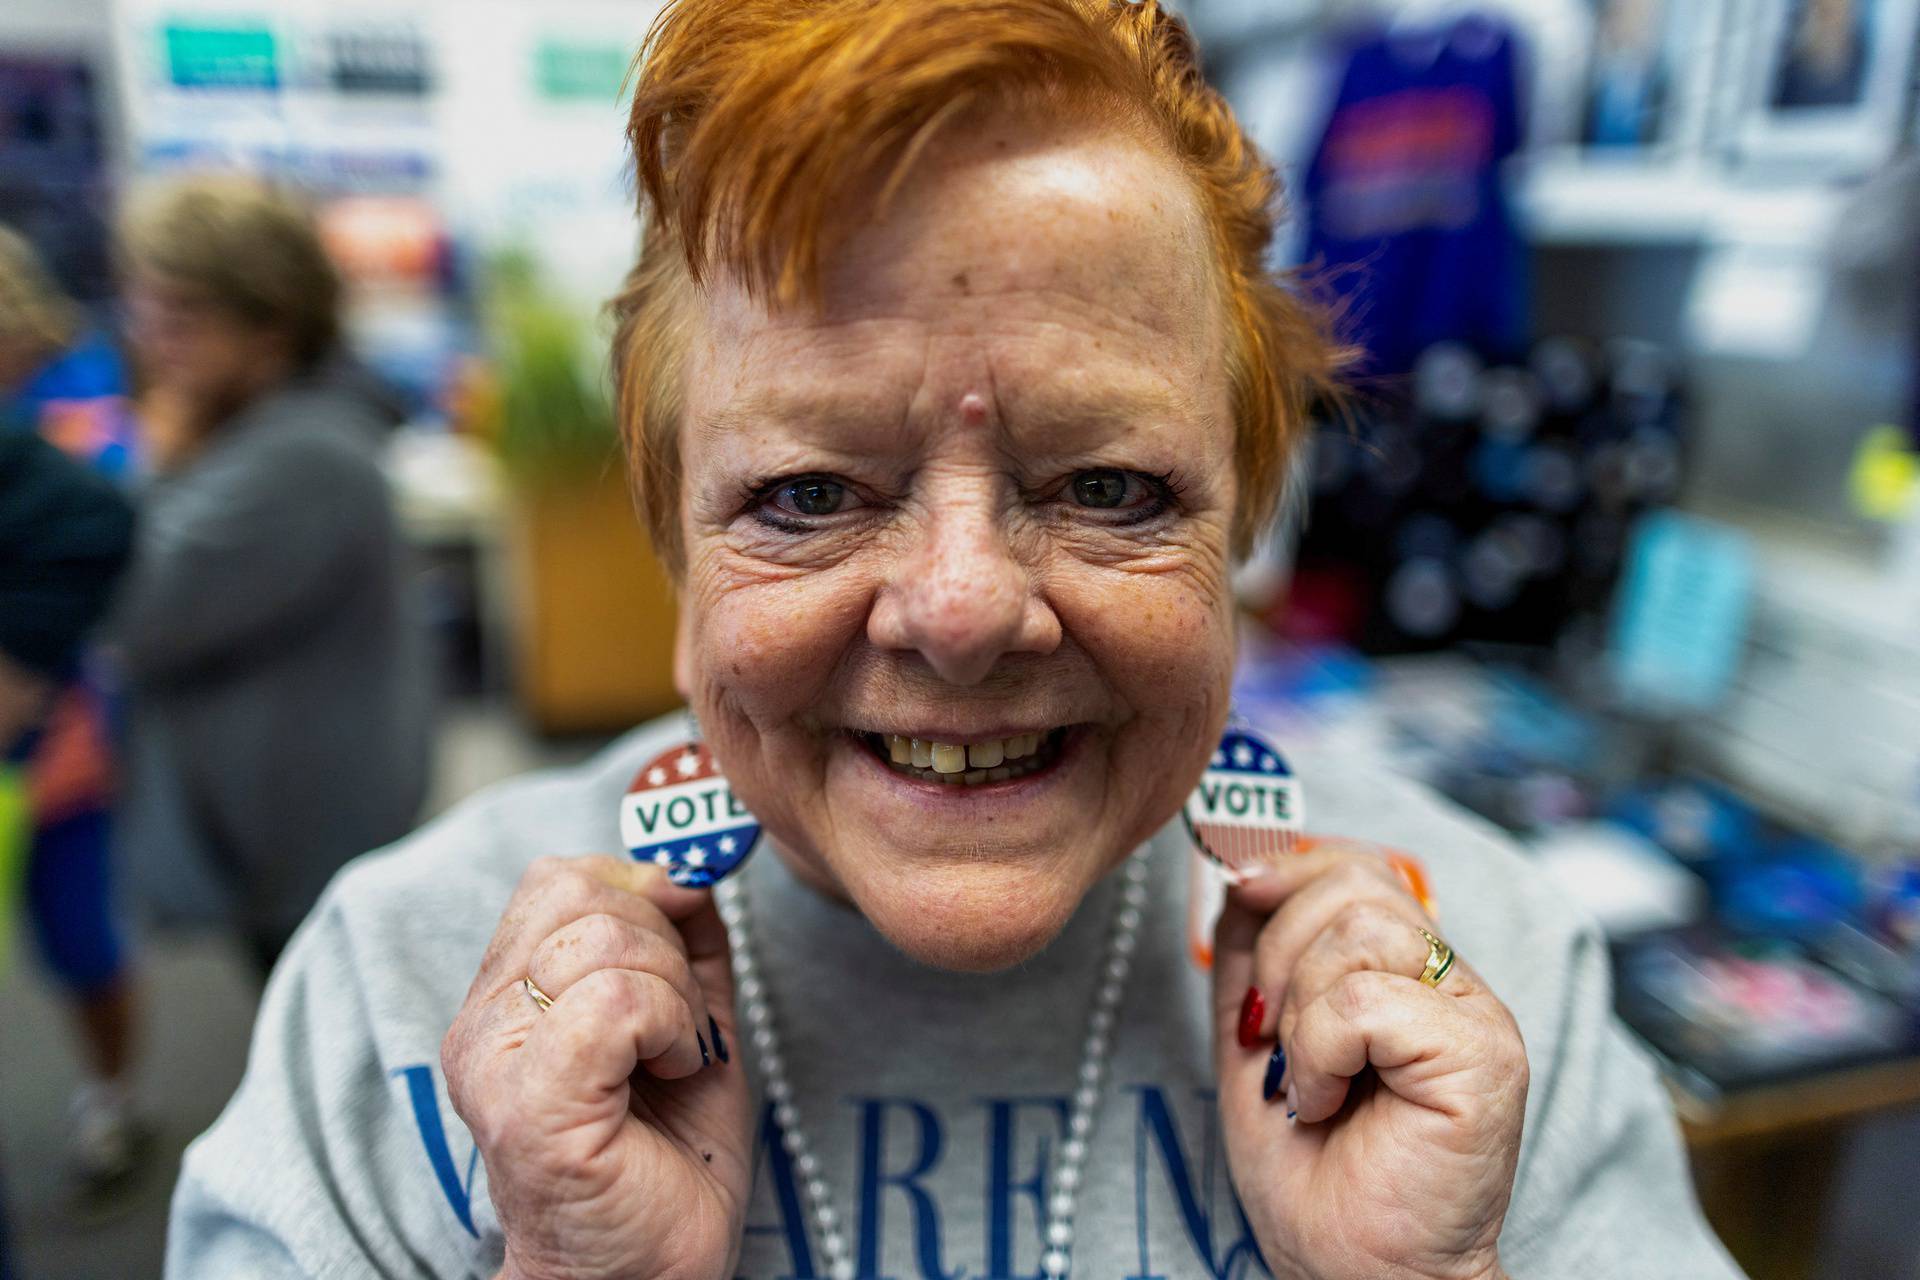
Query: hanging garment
[1407,223]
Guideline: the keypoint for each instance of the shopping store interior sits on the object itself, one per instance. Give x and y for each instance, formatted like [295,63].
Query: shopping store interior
[1617,543]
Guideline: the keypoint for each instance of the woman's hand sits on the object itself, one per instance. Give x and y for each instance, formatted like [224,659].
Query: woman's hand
[172,426]
[1409,1098]
[616,1124]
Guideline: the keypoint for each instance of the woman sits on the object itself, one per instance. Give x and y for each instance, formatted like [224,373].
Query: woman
[278,718]
[64,536]
[955,382]
[64,382]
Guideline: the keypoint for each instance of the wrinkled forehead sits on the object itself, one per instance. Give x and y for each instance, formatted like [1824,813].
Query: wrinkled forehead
[1071,245]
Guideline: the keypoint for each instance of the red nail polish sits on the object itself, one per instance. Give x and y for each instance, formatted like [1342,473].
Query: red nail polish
[1253,1009]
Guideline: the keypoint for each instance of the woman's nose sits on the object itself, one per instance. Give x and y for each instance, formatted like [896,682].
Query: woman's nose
[960,598]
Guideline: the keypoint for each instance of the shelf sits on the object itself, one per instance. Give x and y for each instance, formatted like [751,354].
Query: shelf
[1578,201]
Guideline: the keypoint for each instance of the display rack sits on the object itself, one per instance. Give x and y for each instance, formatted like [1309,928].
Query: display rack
[1566,199]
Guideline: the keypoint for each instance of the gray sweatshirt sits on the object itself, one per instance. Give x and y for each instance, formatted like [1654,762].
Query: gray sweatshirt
[276,667]
[934,1100]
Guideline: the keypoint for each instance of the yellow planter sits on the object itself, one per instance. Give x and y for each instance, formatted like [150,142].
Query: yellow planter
[593,609]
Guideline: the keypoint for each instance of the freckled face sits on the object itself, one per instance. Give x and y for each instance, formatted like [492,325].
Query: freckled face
[979,498]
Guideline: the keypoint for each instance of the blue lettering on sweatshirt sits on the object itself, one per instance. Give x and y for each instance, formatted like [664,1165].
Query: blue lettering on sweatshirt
[1002,1118]
[1157,1127]
[1199,1186]
[433,1135]
[926,1214]
[792,1226]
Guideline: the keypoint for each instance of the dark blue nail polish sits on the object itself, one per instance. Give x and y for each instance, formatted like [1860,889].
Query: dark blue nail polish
[1276,1067]
[719,1041]
[1292,1114]
[706,1059]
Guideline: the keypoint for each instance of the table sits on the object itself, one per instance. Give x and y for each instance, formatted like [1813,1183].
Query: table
[1765,1159]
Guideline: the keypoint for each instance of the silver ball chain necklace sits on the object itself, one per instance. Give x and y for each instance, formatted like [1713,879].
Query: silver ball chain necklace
[1064,1190]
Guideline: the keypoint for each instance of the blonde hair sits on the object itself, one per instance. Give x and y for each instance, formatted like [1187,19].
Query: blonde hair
[751,120]
[251,248]
[33,309]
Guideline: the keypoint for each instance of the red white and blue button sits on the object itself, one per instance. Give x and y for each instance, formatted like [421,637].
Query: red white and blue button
[680,814]
[1246,809]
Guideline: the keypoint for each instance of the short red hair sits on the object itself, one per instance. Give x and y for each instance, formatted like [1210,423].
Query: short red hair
[752,119]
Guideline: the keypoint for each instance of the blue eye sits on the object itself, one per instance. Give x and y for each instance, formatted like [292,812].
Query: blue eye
[812,496]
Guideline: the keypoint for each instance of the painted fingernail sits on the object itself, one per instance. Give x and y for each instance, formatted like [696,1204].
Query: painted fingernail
[1293,1101]
[1276,1067]
[1253,1009]
[719,1041]
[706,1059]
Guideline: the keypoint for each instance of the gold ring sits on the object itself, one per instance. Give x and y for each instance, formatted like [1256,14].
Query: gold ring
[535,994]
[1439,960]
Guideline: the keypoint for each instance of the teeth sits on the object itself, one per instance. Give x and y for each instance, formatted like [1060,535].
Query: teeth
[964,765]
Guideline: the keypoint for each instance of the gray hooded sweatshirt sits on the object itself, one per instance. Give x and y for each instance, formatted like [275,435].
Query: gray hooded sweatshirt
[278,708]
[935,1101]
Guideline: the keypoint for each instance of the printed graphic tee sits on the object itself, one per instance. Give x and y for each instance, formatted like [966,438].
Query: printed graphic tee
[936,1101]
[1407,221]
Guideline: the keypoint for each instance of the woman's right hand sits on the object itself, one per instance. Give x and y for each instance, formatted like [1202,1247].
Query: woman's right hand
[172,426]
[615,1146]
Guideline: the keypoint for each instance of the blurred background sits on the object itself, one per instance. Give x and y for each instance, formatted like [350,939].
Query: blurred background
[1618,544]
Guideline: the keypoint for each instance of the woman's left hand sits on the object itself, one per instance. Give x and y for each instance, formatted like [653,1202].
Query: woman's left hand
[1409,1098]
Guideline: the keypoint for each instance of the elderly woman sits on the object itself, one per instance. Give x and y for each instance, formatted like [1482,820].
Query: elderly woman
[956,381]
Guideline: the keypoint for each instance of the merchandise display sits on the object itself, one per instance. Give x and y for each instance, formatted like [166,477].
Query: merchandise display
[1779,956]
[1727,1013]
[1493,503]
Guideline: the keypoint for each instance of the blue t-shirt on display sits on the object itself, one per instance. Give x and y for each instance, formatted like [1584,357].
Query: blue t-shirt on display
[1406,215]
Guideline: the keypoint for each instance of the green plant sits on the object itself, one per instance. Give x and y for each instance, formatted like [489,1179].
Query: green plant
[556,407]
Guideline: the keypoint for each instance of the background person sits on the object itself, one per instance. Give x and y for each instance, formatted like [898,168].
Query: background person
[64,381]
[278,698]
[59,375]
[64,538]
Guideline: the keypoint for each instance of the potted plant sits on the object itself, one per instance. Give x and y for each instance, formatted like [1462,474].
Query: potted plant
[592,607]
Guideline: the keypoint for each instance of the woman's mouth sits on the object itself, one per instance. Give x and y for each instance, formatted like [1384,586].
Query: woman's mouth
[969,764]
